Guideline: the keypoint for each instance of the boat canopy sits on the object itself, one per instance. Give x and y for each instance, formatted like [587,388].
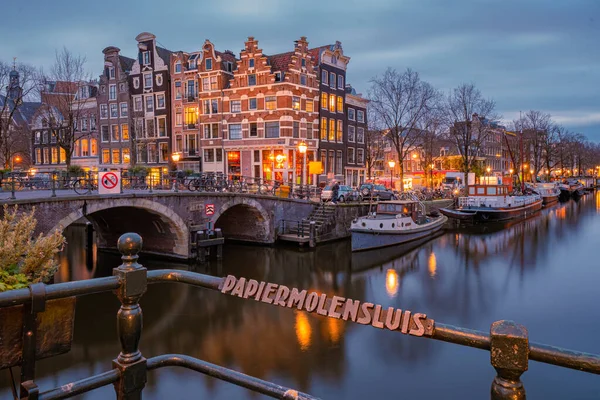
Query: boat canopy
[489,190]
[396,207]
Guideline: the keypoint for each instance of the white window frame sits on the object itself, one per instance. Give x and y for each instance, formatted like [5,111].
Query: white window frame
[103,111]
[178,67]
[350,109]
[136,82]
[164,118]
[111,73]
[112,92]
[123,115]
[206,64]
[146,58]
[151,97]
[160,95]
[255,103]
[358,131]
[115,107]
[178,118]
[135,103]
[241,135]
[159,79]
[146,75]
[102,137]
[238,106]
[324,77]
[340,81]
[360,116]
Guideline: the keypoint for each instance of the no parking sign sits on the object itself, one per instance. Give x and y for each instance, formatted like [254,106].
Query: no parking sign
[109,182]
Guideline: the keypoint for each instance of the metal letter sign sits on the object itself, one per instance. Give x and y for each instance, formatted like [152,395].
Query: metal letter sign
[109,182]
[210,209]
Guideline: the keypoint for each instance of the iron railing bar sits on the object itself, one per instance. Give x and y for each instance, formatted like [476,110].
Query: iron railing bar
[81,386]
[191,278]
[566,358]
[461,336]
[228,375]
[61,290]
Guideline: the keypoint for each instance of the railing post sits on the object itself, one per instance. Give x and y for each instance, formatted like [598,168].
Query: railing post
[312,239]
[121,180]
[53,184]
[12,187]
[149,183]
[133,279]
[509,353]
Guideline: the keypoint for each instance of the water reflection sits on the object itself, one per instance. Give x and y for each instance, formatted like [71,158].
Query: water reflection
[482,273]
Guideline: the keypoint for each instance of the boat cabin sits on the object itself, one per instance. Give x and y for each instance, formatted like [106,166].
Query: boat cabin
[489,190]
[396,207]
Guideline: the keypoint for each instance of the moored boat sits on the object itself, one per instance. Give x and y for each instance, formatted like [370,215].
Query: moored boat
[548,191]
[393,223]
[493,203]
[571,188]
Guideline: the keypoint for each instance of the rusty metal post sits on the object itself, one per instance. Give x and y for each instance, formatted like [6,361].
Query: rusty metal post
[509,353]
[312,233]
[12,187]
[133,279]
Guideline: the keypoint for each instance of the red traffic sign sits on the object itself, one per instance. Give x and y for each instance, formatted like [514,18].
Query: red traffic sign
[209,209]
[110,180]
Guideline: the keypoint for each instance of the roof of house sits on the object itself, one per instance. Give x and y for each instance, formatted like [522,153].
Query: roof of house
[316,52]
[126,63]
[164,54]
[24,111]
[280,62]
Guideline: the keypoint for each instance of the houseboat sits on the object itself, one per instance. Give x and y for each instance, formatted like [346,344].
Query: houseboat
[548,191]
[571,188]
[493,203]
[393,223]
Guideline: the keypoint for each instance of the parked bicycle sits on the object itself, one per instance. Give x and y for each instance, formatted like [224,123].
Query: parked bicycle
[84,186]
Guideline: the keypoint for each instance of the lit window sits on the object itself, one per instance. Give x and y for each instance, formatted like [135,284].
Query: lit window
[324,101]
[105,156]
[85,148]
[124,132]
[340,104]
[309,106]
[340,131]
[332,103]
[116,156]
[191,116]
[115,132]
[295,103]
[271,102]
[323,128]
[331,136]
[126,156]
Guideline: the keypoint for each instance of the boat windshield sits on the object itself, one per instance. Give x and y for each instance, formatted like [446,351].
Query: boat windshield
[387,208]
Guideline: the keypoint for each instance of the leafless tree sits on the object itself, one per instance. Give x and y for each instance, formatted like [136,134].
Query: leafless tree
[467,112]
[375,143]
[400,101]
[537,125]
[432,127]
[65,99]
[14,130]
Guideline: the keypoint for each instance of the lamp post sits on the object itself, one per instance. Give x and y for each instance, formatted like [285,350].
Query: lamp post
[488,169]
[392,164]
[302,147]
[175,157]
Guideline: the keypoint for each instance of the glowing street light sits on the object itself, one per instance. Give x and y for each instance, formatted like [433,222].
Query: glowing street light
[392,164]
[302,147]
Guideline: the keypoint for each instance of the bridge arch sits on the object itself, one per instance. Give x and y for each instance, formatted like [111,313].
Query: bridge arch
[163,230]
[243,218]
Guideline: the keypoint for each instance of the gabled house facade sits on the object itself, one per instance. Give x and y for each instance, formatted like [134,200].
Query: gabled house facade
[355,171]
[114,104]
[149,86]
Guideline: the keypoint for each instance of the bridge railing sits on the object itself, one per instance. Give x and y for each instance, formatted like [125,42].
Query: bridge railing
[48,185]
[508,342]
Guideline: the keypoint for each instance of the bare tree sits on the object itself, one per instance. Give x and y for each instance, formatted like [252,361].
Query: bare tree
[536,127]
[432,127]
[468,114]
[400,101]
[17,86]
[66,99]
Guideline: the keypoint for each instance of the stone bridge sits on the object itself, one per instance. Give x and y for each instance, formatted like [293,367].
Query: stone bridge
[164,219]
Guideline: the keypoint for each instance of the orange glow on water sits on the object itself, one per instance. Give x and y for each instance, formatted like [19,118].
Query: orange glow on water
[303,330]
[432,264]
[391,282]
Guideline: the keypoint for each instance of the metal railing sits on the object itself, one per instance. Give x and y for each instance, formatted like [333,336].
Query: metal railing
[508,342]
[48,185]
[499,201]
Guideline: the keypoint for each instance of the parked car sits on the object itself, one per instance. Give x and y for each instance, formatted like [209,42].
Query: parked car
[345,193]
[375,192]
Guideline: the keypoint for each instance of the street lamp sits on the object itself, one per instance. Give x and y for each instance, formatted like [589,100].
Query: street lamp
[392,164]
[175,157]
[302,147]
[488,169]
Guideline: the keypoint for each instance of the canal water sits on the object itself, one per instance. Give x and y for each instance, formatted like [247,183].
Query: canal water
[542,272]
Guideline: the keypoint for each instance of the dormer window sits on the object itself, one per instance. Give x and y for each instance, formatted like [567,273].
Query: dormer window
[192,62]
[251,63]
[228,66]
[278,76]
[146,57]
[209,64]
[84,92]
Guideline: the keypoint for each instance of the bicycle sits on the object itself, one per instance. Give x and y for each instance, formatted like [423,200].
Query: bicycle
[84,186]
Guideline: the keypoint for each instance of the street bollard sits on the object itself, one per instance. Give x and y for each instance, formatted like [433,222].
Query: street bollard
[509,353]
[53,184]
[133,282]
[12,187]
[312,240]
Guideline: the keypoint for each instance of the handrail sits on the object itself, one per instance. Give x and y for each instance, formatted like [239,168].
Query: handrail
[507,342]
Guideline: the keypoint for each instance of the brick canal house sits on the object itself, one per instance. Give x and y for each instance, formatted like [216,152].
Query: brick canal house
[332,64]
[356,128]
[149,86]
[113,109]
[264,107]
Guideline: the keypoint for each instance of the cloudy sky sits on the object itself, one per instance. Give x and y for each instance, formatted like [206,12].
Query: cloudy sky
[532,54]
